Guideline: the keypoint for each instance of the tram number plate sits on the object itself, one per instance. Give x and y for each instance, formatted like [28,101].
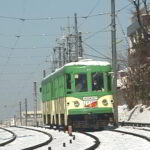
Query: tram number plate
[90,103]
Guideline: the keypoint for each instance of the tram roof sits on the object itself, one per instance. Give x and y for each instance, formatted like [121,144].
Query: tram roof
[84,62]
[88,62]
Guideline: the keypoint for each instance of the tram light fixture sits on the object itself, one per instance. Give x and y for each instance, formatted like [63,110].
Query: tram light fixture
[76,103]
[104,101]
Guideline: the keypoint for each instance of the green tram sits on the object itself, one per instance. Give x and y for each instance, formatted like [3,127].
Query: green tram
[78,94]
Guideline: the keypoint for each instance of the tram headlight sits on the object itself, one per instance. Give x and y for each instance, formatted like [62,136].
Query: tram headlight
[105,102]
[76,103]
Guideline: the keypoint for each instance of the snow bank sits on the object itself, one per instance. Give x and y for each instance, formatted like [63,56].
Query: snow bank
[140,113]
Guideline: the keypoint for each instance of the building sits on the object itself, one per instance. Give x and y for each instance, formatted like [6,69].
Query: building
[31,118]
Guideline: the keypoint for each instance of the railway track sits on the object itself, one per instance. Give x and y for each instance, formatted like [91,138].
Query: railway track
[133,134]
[41,144]
[96,142]
[11,139]
[14,137]
[135,124]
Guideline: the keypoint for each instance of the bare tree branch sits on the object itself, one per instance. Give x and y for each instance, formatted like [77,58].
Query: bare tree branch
[145,6]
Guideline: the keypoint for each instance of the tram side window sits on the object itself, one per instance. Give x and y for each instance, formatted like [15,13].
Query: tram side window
[68,79]
[109,82]
[81,82]
[97,81]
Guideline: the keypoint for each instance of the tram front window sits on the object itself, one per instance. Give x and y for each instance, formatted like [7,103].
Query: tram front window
[97,81]
[81,82]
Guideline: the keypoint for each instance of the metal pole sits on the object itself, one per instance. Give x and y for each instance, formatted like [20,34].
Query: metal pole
[64,55]
[60,61]
[35,107]
[114,60]
[69,48]
[44,73]
[76,37]
[80,45]
[20,113]
[26,117]
[14,120]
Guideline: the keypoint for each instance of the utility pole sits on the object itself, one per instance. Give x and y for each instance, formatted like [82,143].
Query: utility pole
[59,57]
[64,55]
[114,60]
[26,117]
[14,120]
[54,59]
[20,113]
[44,73]
[69,58]
[35,103]
[80,45]
[76,37]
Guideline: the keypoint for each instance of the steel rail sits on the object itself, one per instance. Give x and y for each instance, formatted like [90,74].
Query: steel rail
[137,124]
[10,140]
[41,144]
[131,133]
[96,142]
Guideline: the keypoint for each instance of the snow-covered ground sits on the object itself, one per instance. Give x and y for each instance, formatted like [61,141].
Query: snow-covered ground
[109,140]
[25,138]
[118,141]
[140,113]
[4,136]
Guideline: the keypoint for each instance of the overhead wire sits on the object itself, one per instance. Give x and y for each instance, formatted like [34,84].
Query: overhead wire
[29,35]
[24,48]
[124,7]
[64,17]
[96,56]
[52,18]
[90,12]
[101,30]
[95,50]
[11,52]
[123,32]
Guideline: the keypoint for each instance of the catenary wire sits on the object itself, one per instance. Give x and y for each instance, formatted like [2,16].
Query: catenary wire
[95,50]
[90,12]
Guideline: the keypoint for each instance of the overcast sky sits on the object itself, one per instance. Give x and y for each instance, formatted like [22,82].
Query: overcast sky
[28,32]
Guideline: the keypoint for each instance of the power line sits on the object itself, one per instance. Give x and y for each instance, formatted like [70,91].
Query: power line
[28,35]
[101,30]
[95,50]
[12,49]
[52,18]
[36,35]
[64,17]
[123,32]
[24,48]
[96,56]
[126,6]
[90,13]
[30,75]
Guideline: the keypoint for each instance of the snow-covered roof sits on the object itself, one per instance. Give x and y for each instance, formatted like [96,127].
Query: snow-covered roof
[88,62]
[84,62]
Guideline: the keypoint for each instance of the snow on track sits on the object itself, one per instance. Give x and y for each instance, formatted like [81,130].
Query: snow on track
[5,136]
[109,140]
[118,141]
[25,138]
[81,141]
